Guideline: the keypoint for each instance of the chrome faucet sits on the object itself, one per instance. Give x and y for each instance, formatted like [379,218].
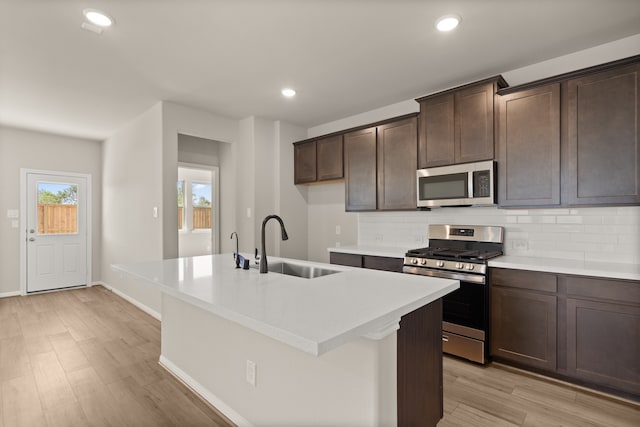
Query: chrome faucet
[236,254]
[263,257]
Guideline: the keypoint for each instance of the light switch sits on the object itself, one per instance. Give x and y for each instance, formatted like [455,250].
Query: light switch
[155,212]
[15,223]
[13,213]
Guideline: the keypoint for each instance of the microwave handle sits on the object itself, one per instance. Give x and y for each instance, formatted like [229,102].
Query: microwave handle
[470,184]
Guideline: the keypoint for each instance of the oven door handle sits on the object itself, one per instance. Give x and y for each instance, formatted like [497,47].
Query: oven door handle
[478,279]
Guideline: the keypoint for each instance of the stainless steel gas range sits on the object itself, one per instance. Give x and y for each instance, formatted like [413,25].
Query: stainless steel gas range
[461,252]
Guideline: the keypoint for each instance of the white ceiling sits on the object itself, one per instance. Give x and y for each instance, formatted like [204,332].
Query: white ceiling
[232,57]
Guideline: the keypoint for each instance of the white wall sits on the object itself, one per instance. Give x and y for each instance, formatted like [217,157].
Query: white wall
[179,119]
[324,210]
[244,179]
[292,198]
[201,151]
[35,150]
[265,165]
[132,187]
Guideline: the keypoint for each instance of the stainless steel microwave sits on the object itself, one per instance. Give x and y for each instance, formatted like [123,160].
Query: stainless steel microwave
[457,185]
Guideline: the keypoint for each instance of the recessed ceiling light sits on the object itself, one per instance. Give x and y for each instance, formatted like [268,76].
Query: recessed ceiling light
[98,18]
[447,22]
[288,92]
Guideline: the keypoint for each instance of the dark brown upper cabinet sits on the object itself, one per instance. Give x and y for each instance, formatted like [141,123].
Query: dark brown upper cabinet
[529,147]
[397,164]
[602,160]
[436,141]
[380,166]
[330,158]
[360,159]
[572,139]
[457,126]
[304,158]
[318,160]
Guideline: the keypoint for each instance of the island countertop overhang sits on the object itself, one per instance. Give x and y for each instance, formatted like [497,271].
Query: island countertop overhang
[313,315]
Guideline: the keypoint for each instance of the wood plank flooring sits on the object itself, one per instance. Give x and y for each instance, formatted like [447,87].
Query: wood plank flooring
[86,357]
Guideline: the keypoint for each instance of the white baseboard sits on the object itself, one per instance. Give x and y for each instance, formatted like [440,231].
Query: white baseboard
[151,312]
[203,392]
[9,294]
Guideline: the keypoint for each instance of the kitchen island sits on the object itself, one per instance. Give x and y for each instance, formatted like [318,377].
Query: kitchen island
[355,347]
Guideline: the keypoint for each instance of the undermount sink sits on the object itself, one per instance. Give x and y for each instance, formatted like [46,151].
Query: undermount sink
[298,270]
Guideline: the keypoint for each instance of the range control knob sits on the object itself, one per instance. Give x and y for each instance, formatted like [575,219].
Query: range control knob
[440,264]
[459,265]
[423,261]
[414,261]
[470,266]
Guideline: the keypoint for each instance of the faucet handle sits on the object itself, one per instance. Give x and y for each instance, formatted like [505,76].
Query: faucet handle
[256,256]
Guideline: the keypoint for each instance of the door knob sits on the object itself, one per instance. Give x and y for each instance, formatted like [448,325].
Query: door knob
[32,239]
[32,231]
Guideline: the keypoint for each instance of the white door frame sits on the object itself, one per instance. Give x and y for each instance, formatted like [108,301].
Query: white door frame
[23,221]
[215,195]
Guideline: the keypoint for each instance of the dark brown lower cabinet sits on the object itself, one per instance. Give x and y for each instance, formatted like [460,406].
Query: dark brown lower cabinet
[578,328]
[367,261]
[524,327]
[603,343]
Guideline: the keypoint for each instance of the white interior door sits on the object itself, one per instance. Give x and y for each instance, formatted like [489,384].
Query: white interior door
[56,231]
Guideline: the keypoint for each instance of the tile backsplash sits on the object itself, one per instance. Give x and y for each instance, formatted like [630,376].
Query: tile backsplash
[589,234]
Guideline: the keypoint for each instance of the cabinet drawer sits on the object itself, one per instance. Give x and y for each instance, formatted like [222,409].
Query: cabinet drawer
[383,263]
[608,289]
[351,260]
[534,280]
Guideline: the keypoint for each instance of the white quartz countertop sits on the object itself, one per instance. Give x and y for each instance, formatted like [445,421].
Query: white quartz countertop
[550,265]
[386,251]
[313,315]
[566,266]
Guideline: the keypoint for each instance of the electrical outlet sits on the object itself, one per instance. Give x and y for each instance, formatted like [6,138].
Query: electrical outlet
[520,244]
[378,237]
[251,372]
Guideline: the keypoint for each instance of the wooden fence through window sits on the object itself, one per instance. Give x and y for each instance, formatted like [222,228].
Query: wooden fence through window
[57,219]
[201,218]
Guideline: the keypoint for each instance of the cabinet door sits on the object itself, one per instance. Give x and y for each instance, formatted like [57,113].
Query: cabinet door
[330,158]
[602,162]
[474,123]
[360,170]
[436,147]
[529,147]
[397,164]
[304,162]
[603,343]
[523,327]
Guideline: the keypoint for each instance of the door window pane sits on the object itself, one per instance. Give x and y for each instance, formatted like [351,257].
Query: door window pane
[57,208]
[201,200]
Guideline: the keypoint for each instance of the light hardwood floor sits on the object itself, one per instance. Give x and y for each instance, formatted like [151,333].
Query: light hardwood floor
[86,357]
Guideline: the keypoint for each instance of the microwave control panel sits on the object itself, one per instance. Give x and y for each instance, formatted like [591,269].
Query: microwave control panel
[482,183]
